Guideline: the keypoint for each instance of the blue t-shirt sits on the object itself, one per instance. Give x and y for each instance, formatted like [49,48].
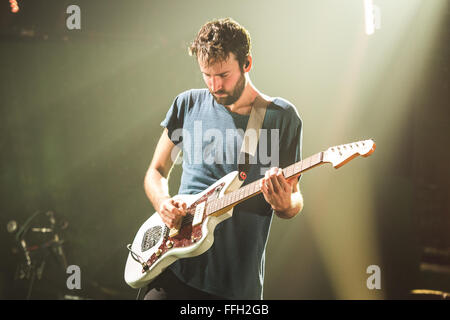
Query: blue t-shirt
[210,137]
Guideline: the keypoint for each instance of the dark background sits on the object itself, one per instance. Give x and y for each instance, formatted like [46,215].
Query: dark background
[80,113]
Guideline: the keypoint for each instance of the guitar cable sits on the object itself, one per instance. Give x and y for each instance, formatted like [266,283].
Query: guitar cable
[139,293]
[137,258]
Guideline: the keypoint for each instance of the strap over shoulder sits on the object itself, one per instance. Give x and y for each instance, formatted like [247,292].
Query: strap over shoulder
[252,133]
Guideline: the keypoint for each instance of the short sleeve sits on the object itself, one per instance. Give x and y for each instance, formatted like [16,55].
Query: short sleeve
[298,143]
[174,118]
[291,147]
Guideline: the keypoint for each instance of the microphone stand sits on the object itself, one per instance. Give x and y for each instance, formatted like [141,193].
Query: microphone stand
[32,270]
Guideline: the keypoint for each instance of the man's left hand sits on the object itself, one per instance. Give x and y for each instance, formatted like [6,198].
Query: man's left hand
[277,190]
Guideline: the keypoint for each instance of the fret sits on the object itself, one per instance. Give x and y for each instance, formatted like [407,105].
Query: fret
[252,188]
[295,168]
[308,163]
[289,171]
[224,201]
[255,187]
[316,158]
[228,199]
[304,164]
[311,161]
[216,205]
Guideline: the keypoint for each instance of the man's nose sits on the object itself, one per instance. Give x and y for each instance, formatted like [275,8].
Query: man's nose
[216,84]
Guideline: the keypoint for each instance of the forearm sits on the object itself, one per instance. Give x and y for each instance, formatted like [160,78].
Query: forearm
[156,187]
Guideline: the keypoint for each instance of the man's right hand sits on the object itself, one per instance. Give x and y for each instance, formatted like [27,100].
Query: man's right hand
[171,212]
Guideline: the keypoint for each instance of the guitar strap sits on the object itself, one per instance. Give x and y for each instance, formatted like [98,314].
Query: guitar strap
[250,139]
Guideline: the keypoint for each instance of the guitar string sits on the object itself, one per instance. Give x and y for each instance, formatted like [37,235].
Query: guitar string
[227,198]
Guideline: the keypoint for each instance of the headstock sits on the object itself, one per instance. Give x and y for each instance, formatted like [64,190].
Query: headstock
[340,155]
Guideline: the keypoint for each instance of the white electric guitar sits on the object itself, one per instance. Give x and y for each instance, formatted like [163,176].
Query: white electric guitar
[155,246]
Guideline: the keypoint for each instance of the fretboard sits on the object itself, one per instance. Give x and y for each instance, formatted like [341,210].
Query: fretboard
[252,189]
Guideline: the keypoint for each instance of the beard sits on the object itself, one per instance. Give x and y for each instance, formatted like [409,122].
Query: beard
[234,95]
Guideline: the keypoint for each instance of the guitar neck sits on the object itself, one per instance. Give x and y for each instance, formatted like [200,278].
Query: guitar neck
[229,200]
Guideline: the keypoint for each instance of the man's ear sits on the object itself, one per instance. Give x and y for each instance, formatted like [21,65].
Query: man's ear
[248,64]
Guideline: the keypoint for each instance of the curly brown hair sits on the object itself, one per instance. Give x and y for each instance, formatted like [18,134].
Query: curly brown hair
[217,38]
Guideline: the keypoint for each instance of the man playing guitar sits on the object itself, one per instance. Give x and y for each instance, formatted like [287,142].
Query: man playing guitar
[233,268]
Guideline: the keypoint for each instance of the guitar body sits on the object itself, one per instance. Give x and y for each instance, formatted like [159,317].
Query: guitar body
[155,246]
[158,250]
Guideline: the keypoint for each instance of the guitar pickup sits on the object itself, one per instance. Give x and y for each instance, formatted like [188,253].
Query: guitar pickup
[198,215]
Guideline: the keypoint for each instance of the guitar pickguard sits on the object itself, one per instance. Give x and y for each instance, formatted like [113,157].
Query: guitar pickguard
[187,234]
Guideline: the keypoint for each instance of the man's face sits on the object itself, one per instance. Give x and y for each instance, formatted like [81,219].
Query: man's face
[224,79]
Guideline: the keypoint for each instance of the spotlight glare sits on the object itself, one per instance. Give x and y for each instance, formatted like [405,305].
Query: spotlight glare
[372,17]
[14,6]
